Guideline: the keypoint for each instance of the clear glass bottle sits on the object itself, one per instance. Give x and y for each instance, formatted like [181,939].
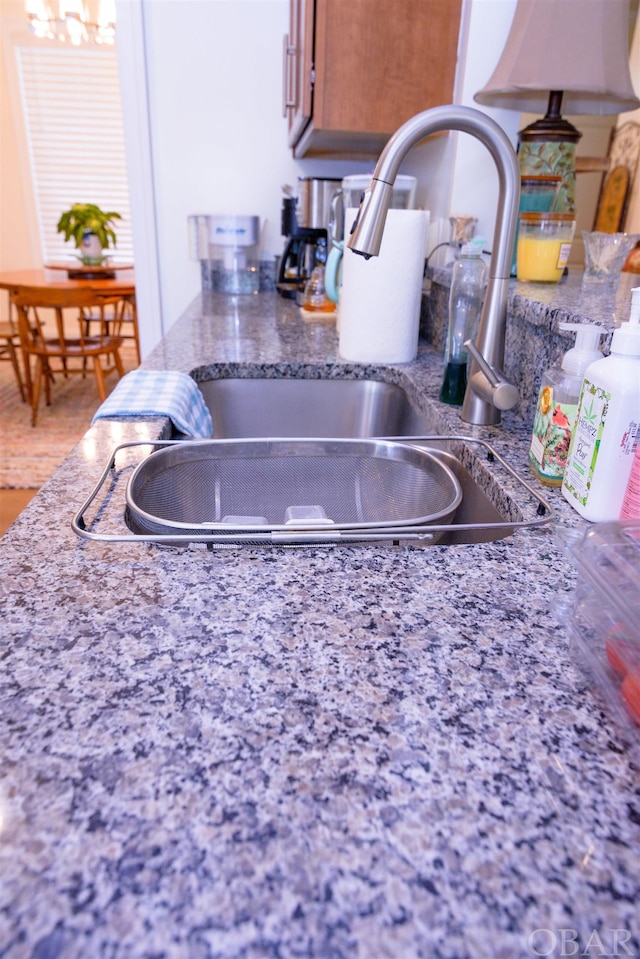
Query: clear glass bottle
[315,298]
[468,283]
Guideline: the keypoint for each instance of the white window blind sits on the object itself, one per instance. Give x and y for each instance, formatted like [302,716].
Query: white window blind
[73,117]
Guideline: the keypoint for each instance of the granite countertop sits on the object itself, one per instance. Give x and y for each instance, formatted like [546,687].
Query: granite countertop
[335,752]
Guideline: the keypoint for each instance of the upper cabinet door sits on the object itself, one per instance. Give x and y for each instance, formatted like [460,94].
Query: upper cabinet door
[298,68]
[366,66]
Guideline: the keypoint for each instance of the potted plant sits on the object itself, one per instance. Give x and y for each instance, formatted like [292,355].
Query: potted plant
[91,229]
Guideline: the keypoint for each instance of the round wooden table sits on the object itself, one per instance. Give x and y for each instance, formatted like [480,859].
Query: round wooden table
[122,285]
[123,282]
[77,270]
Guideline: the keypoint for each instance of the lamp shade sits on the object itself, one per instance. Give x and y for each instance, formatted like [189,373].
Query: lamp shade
[579,47]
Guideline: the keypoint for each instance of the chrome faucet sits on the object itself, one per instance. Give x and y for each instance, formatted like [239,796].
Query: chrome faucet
[488,391]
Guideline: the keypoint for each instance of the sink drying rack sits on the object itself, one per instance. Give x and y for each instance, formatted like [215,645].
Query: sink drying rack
[113,520]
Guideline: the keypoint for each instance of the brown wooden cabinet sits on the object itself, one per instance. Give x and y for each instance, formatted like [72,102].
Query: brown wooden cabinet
[355,70]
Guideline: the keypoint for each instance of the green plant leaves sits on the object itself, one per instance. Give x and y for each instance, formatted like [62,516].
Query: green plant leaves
[87,216]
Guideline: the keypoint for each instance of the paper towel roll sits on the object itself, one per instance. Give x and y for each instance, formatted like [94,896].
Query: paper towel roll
[380,297]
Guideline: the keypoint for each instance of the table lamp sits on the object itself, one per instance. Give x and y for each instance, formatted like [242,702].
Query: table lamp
[570,55]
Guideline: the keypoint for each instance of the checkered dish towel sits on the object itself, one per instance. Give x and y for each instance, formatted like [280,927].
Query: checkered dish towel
[160,393]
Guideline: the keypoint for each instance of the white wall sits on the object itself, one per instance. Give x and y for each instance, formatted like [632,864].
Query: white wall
[474,182]
[20,246]
[218,141]
[218,137]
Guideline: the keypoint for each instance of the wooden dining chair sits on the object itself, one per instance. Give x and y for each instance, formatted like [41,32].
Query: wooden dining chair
[124,314]
[9,346]
[60,353]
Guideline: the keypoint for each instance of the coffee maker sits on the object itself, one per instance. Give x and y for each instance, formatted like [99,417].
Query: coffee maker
[305,221]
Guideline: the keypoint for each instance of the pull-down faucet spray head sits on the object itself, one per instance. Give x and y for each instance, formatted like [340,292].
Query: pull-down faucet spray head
[480,406]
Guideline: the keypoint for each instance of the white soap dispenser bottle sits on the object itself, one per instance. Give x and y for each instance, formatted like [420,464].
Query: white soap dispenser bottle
[558,404]
[607,426]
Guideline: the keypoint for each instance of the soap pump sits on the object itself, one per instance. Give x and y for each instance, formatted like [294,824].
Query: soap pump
[558,404]
[607,429]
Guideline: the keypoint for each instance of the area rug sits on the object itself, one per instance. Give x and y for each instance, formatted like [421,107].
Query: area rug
[30,455]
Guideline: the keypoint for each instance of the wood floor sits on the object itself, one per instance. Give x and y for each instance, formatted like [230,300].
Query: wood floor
[12,502]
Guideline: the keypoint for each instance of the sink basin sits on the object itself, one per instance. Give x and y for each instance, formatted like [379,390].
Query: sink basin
[495,500]
[349,409]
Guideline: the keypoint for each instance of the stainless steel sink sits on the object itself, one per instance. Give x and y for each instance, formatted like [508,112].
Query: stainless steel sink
[342,408]
[349,409]
[495,500]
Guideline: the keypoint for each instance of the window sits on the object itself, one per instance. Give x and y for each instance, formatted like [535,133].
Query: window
[71,99]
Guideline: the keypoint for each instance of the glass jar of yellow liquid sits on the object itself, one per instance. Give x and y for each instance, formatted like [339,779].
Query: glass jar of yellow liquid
[544,244]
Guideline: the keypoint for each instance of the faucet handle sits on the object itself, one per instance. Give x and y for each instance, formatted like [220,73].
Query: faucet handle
[501,393]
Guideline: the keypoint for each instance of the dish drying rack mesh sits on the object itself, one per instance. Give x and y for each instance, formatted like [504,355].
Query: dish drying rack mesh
[281,485]
[403,470]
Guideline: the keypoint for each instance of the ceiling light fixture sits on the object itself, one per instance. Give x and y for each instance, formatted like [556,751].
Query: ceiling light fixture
[73,21]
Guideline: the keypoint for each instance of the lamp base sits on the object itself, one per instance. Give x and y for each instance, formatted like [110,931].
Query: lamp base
[548,147]
[551,127]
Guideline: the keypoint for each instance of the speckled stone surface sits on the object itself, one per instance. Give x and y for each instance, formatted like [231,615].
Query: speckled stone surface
[534,341]
[358,752]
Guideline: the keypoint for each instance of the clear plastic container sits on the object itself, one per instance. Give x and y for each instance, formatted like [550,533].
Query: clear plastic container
[604,620]
[544,244]
[631,502]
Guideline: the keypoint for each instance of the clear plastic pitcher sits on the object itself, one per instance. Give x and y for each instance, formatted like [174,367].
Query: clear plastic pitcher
[231,245]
